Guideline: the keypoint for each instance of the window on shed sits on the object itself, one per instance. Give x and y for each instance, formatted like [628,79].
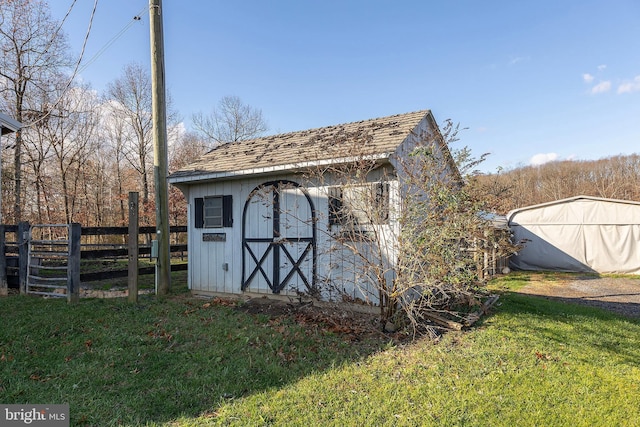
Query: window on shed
[213,212]
[359,205]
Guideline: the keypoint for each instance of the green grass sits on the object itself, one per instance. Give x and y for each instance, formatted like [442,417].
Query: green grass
[180,361]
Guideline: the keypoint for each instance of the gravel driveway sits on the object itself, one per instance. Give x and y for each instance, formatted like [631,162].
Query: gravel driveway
[620,295]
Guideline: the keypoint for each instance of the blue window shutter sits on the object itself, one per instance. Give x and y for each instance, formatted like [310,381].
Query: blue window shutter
[335,206]
[199,212]
[382,202]
[227,211]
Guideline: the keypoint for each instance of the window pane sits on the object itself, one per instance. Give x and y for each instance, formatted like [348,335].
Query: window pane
[213,211]
[356,200]
[360,204]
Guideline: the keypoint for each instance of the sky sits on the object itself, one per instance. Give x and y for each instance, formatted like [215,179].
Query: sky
[529,82]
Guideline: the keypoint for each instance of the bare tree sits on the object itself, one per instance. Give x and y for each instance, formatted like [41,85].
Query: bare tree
[132,93]
[70,128]
[37,155]
[129,97]
[184,150]
[231,121]
[114,133]
[38,151]
[32,48]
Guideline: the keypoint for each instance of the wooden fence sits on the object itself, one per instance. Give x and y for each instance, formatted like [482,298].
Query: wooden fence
[95,243]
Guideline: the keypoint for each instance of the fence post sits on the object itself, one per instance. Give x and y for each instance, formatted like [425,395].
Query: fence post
[24,236]
[4,287]
[133,247]
[73,269]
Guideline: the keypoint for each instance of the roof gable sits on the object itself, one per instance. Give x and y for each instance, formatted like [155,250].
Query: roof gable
[376,137]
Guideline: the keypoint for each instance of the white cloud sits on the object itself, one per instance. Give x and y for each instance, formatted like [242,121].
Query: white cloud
[601,87]
[588,78]
[601,67]
[542,158]
[632,86]
[517,59]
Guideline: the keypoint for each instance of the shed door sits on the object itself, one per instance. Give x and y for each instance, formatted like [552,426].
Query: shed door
[279,239]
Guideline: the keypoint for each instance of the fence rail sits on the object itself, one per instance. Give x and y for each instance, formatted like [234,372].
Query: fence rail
[20,268]
[51,272]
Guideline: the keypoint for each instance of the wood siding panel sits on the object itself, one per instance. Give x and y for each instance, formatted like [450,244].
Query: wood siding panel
[336,266]
[207,272]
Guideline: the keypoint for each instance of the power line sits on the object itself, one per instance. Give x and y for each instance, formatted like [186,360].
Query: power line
[77,64]
[84,43]
[77,68]
[73,3]
[104,48]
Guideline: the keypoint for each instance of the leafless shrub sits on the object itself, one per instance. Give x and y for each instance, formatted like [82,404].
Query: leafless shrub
[405,236]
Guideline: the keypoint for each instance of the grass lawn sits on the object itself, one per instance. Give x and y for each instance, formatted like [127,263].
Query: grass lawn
[181,361]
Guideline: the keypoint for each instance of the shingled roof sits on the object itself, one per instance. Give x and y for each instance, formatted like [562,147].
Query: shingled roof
[376,137]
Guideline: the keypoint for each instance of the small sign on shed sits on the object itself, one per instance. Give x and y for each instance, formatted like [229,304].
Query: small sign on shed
[214,237]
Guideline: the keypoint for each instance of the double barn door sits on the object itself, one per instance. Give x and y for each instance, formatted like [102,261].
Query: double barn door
[279,239]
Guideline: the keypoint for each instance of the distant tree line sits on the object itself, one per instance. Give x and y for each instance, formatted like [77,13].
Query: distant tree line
[616,177]
[80,152]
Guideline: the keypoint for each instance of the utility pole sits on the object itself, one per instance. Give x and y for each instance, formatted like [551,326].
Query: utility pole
[159,110]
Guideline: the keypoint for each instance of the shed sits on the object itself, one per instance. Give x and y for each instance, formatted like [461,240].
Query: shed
[578,234]
[259,225]
[7,125]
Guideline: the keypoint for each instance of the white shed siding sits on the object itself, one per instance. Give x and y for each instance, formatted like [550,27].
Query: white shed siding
[346,269]
[207,258]
[336,264]
[206,272]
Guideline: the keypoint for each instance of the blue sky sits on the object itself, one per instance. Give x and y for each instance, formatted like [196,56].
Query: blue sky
[530,81]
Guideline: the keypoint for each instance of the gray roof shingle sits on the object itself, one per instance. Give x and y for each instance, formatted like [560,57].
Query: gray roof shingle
[379,136]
